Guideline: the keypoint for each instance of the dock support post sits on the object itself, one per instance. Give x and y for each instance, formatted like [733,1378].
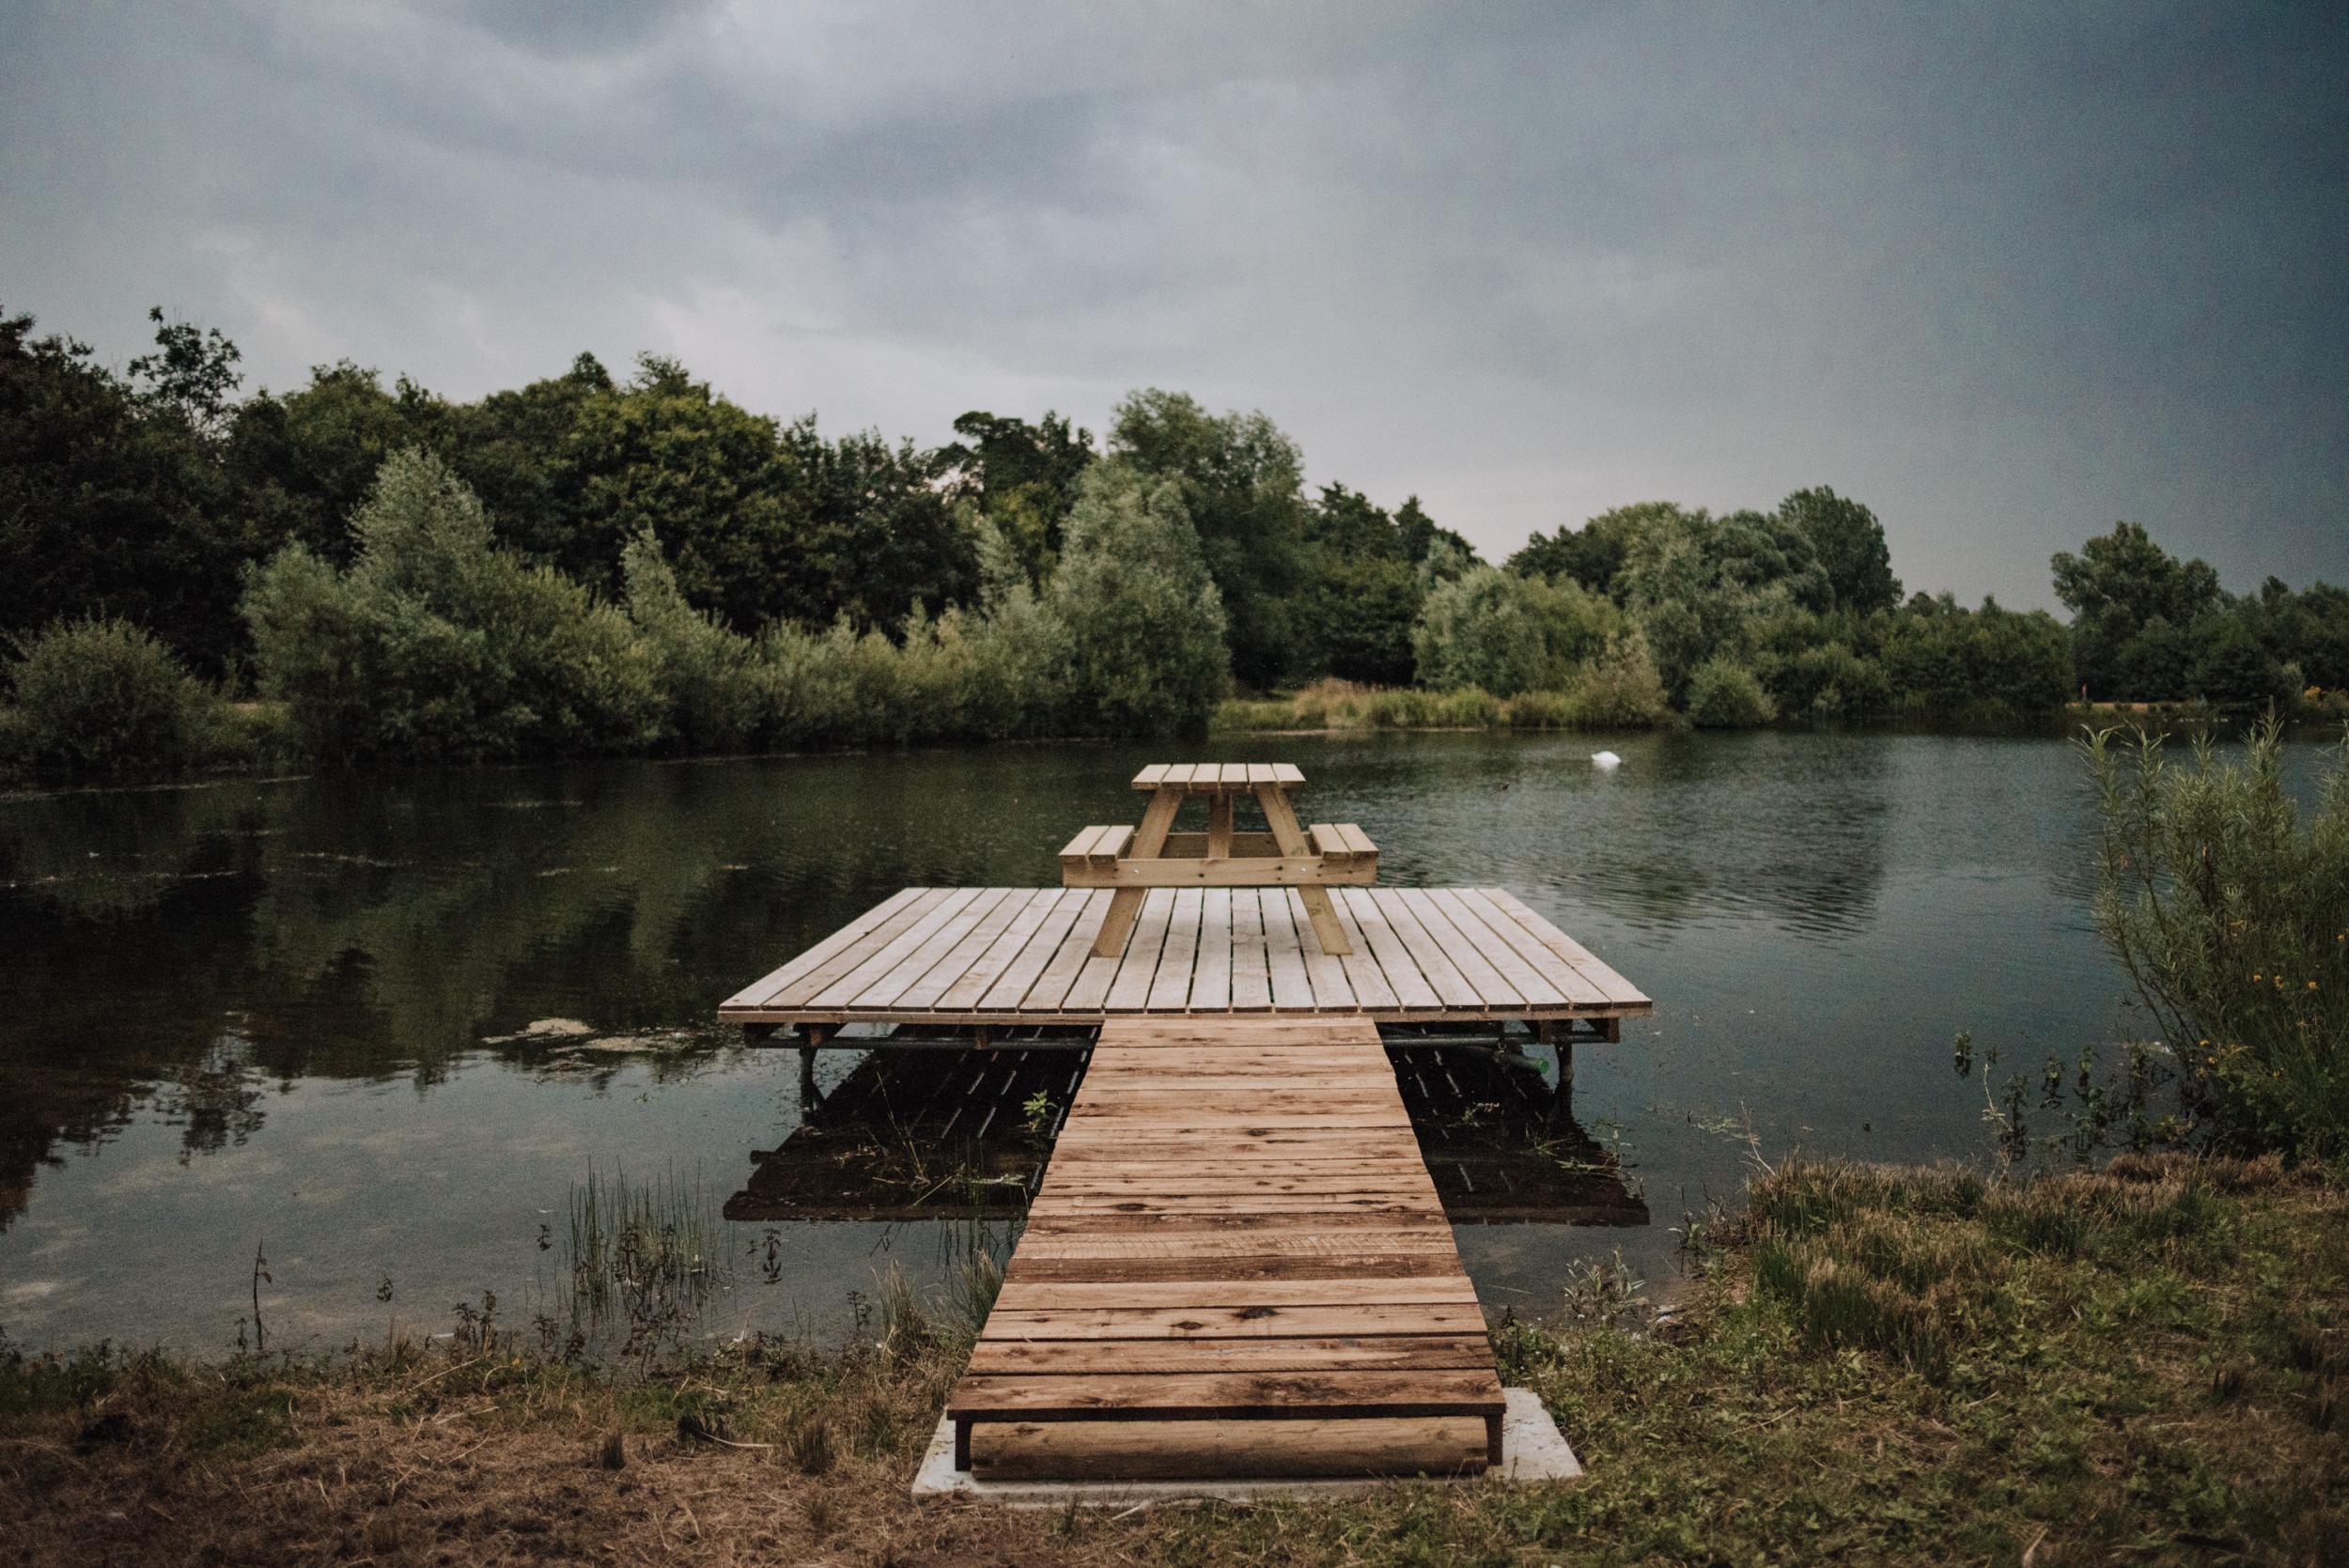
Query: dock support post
[1492,1442]
[812,1035]
[962,1446]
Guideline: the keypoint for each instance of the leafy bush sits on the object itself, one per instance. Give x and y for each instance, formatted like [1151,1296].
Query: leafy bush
[437,643]
[1942,659]
[1142,620]
[1507,633]
[103,699]
[1725,695]
[715,692]
[1621,689]
[2230,919]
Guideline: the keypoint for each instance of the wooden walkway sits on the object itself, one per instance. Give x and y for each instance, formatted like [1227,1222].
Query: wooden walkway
[1236,1265]
[976,956]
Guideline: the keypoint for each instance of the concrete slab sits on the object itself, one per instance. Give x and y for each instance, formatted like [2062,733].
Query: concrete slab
[1532,1448]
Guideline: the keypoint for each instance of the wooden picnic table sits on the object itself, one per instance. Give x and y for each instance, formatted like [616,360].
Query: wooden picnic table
[1285,853]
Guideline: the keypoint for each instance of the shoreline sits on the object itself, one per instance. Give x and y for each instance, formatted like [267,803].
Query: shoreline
[2146,1357]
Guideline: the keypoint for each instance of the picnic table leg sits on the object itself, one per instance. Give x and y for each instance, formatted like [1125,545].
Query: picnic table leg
[1325,917]
[1158,819]
[1125,905]
[1290,835]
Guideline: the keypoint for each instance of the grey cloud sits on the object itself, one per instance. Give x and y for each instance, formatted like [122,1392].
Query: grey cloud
[2006,272]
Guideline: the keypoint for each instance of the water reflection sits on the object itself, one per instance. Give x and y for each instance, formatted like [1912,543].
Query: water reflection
[920,1133]
[219,994]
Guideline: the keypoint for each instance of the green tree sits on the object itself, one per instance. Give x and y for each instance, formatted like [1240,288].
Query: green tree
[1241,483]
[1141,619]
[1848,542]
[114,502]
[1508,633]
[1021,478]
[2232,668]
[1423,538]
[303,462]
[1943,659]
[1593,554]
[2117,586]
[1699,583]
[437,643]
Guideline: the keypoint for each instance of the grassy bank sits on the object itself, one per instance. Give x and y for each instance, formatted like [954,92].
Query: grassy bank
[1874,1365]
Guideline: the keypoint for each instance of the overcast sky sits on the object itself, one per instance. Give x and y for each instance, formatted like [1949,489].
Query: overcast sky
[2005,272]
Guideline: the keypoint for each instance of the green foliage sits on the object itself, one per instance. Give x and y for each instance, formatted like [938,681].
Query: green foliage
[103,699]
[1592,554]
[2230,920]
[1240,482]
[435,643]
[1508,633]
[1943,658]
[1726,695]
[1021,478]
[716,695]
[1848,543]
[1697,585]
[113,501]
[1620,689]
[1143,624]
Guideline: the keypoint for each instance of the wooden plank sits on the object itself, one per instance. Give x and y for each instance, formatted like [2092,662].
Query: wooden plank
[1234,1267]
[1129,991]
[1292,991]
[1303,870]
[1350,1353]
[1170,990]
[1402,973]
[1527,978]
[1025,967]
[1334,992]
[958,960]
[814,982]
[1450,984]
[1362,971]
[1080,847]
[1150,777]
[1192,1451]
[1268,1395]
[1211,976]
[757,991]
[839,992]
[1285,776]
[1246,1323]
[1492,986]
[1618,990]
[1029,919]
[1341,1290]
[1569,982]
[1252,972]
[909,970]
[1049,988]
[1112,843]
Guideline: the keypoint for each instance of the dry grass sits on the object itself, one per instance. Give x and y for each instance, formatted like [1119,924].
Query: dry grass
[2140,1364]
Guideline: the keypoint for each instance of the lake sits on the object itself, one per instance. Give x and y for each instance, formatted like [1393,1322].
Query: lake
[293,1017]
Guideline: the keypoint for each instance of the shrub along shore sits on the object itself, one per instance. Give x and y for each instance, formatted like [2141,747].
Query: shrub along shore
[1868,1365]
[587,566]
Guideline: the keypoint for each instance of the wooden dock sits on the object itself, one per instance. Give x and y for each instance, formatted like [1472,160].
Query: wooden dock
[1236,1265]
[974,958]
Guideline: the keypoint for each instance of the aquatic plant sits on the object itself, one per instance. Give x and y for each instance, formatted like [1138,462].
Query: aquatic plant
[642,1255]
[2233,923]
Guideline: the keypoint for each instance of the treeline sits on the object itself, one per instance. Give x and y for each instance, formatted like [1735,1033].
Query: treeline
[589,564]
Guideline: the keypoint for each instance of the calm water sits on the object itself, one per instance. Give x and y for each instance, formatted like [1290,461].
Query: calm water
[271,1013]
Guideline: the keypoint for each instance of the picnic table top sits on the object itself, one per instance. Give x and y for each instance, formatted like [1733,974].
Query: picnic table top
[1208,778]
